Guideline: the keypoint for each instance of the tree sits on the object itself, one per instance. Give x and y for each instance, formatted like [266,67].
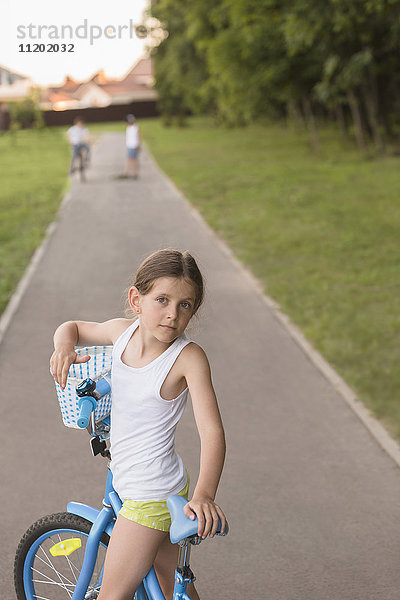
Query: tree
[179,69]
[242,59]
[26,113]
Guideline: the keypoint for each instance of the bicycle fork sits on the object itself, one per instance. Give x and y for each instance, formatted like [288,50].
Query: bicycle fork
[104,517]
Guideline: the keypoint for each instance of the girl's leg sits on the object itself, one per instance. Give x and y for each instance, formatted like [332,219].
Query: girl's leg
[165,565]
[132,167]
[130,555]
[135,165]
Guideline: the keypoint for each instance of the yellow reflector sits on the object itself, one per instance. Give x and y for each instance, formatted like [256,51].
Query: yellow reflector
[66,547]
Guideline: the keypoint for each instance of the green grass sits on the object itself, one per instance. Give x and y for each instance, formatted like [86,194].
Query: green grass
[322,235]
[33,180]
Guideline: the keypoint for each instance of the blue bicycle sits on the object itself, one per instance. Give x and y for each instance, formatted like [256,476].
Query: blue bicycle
[62,555]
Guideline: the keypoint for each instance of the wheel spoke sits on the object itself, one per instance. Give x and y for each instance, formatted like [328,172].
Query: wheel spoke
[63,586]
[50,582]
[58,573]
[51,564]
[69,562]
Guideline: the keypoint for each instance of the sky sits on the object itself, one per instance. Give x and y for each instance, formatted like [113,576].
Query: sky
[101,35]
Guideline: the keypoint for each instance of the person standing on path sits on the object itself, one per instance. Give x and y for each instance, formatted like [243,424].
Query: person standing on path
[132,147]
[154,367]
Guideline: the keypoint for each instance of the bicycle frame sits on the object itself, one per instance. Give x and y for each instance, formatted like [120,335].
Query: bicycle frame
[78,160]
[103,521]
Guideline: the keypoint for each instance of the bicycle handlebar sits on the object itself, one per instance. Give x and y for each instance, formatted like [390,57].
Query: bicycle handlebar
[89,392]
[87,405]
[103,387]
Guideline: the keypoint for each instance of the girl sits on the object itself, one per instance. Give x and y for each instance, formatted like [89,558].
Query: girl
[154,367]
[132,147]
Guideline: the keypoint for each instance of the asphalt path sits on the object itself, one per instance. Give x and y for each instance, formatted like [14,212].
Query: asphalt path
[311,497]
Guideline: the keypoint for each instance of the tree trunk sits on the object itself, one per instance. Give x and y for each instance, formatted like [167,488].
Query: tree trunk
[295,115]
[388,106]
[372,112]
[312,128]
[356,114]
[341,121]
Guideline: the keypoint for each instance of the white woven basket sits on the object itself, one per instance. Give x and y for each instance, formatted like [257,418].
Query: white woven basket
[98,366]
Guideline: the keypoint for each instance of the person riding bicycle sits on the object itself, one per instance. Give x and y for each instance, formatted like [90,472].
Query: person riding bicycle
[154,367]
[79,139]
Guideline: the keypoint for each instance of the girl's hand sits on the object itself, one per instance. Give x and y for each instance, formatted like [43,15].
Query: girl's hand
[207,513]
[60,363]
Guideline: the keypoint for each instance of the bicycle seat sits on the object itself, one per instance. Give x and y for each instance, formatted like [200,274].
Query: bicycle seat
[183,527]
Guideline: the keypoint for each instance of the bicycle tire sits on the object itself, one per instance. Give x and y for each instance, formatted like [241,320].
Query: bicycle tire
[32,559]
[82,166]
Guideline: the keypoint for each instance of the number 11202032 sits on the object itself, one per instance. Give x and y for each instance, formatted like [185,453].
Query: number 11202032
[46,48]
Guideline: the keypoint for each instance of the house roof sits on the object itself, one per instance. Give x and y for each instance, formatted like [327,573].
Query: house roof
[70,84]
[60,97]
[144,66]
[19,75]
[141,73]
[100,78]
[137,84]
[123,86]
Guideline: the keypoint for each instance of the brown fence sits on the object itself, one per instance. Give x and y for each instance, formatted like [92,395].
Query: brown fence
[114,112]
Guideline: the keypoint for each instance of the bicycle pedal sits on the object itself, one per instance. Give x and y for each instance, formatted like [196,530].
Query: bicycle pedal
[97,445]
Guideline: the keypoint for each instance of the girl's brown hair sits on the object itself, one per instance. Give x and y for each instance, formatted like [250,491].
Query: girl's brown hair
[170,263]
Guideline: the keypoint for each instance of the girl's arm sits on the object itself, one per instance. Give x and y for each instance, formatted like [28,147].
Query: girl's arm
[73,333]
[212,439]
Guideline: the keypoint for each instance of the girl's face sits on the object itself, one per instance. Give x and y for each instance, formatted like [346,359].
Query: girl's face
[166,310]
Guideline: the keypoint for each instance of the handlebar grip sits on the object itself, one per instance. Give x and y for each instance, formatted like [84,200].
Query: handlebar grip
[87,405]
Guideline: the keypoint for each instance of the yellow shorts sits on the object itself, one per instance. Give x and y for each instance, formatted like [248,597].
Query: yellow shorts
[152,513]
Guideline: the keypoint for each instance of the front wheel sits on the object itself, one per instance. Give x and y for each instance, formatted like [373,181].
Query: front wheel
[49,558]
[82,165]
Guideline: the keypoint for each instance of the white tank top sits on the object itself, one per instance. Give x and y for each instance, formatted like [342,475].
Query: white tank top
[144,463]
[132,136]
